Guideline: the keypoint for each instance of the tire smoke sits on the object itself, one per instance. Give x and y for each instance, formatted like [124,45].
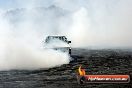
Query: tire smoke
[89,24]
[22,48]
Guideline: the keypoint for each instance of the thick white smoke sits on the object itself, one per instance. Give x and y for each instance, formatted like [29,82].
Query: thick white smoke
[87,23]
[22,47]
[98,23]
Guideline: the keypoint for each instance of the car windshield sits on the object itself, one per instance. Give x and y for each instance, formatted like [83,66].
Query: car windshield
[62,38]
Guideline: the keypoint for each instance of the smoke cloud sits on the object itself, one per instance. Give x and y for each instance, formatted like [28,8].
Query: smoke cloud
[91,23]
[99,24]
[22,46]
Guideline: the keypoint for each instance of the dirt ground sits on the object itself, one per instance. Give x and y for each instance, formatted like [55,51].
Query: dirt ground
[105,61]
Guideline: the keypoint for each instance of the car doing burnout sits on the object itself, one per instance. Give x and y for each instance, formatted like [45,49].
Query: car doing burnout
[58,43]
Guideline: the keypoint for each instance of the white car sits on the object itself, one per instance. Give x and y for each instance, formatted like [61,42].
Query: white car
[58,43]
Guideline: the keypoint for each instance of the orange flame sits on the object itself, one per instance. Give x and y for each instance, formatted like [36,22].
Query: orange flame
[81,71]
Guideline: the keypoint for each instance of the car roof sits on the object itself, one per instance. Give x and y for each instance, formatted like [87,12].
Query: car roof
[56,36]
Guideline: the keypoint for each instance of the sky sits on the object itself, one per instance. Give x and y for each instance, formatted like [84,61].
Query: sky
[6,4]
